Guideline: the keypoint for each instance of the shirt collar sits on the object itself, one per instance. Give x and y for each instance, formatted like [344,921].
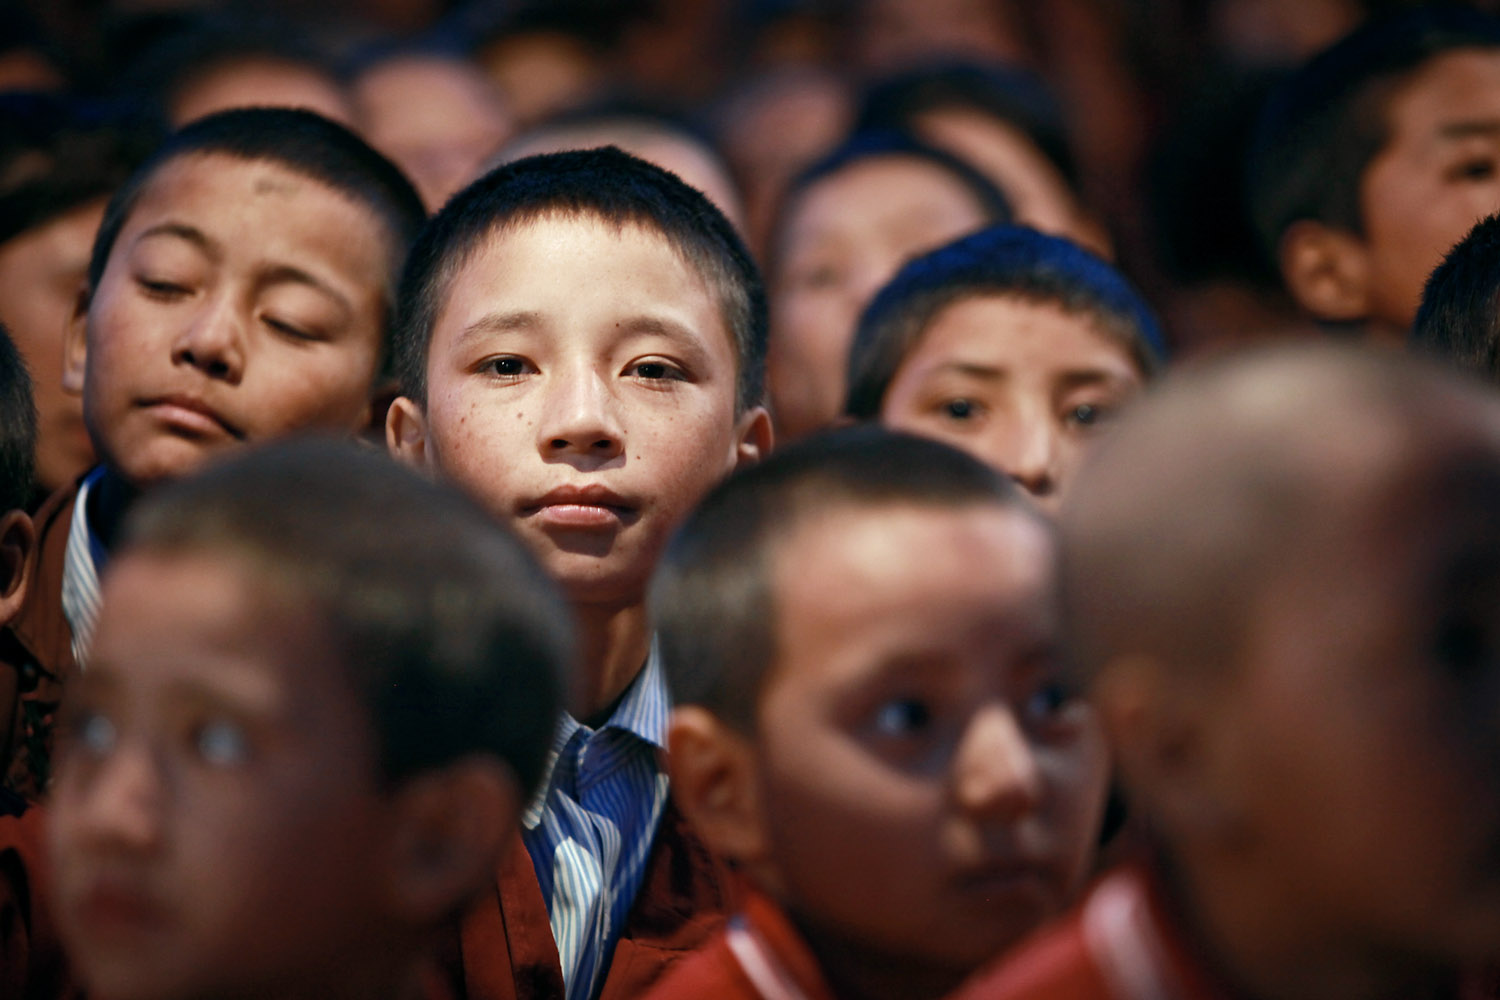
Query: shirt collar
[642,711]
[83,557]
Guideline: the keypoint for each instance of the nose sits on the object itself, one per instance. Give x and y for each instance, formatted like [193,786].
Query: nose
[996,771]
[580,418]
[213,341]
[121,807]
[1027,450]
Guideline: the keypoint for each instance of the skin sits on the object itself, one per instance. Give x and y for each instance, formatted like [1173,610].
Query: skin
[595,360]
[438,119]
[914,725]
[1024,386]
[1366,642]
[846,236]
[42,273]
[262,82]
[215,822]
[241,302]
[1438,174]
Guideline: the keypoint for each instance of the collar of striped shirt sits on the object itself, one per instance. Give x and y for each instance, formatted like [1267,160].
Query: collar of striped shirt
[591,827]
[83,558]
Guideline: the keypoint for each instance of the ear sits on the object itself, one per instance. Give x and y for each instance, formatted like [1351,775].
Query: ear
[753,436]
[406,432]
[715,783]
[373,425]
[1327,270]
[75,344]
[448,828]
[1167,742]
[17,559]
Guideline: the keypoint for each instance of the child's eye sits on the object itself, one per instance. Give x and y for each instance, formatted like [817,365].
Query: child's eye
[1048,700]
[93,733]
[1088,414]
[221,743]
[505,366]
[655,370]
[818,278]
[902,717]
[158,289]
[1478,169]
[959,409]
[290,330]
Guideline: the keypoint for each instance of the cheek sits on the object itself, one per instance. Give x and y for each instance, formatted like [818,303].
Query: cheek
[330,392]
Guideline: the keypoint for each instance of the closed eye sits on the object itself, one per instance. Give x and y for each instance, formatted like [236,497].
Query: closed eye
[164,290]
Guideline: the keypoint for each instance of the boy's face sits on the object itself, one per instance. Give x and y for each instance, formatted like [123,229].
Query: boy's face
[848,235]
[929,789]
[1373,654]
[42,272]
[215,812]
[241,302]
[1023,386]
[581,384]
[1437,175]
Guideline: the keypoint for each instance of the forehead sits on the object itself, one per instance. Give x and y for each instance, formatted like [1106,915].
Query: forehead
[195,621]
[884,189]
[566,270]
[1017,332]
[879,575]
[1452,95]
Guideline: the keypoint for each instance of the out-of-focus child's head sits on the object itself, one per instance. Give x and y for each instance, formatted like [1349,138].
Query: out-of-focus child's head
[1459,320]
[1375,158]
[321,691]
[548,58]
[434,113]
[845,226]
[240,287]
[215,62]
[581,344]
[655,137]
[1011,344]
[1324,566]
[887,36]
[18,427]
[60,159]
[860,634]
[1005,123]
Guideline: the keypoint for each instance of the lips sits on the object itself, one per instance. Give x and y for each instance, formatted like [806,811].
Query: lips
[188,415]
[589,507]
[1010,879]
[115,909]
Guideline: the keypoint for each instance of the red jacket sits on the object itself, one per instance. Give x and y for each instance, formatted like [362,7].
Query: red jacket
[31,962]
[758,956]
[36,657]
[1120,943]
[506,947]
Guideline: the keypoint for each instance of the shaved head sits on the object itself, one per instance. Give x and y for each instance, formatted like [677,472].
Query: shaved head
[1238,468]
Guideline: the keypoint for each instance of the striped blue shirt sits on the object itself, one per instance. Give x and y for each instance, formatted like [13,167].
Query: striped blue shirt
[83,557]
[590,829]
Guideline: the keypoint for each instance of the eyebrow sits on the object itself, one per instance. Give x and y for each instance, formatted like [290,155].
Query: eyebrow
[1473,127]
[506,322]
[989,373]
[523,321]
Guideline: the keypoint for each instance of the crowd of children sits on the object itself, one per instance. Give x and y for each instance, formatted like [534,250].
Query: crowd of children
[436,564]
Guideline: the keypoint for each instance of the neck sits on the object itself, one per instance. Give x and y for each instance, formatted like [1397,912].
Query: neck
[614,641]
[109,502]
[856,972]
[1268,947]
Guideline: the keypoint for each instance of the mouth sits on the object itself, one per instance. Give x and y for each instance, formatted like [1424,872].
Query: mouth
[590,508]
[1013,880]
[192,417]
[117,909]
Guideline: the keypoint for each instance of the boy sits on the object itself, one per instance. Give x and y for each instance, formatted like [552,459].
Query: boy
[18,432]
[306,734]
[1010,344]
[846,225]
[1323,569]
[581,343]
[871,721]
[239,289]
[59,162]
[1460,316]
[1374,159]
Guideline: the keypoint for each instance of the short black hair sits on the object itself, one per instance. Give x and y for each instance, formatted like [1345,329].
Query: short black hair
[1010,261]
[1459,320]
[58,153]
[880,144]
[300,141]
[606,184]
[1013,96]
[1320,128]
[17,428]
[714,603]
[454,638]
